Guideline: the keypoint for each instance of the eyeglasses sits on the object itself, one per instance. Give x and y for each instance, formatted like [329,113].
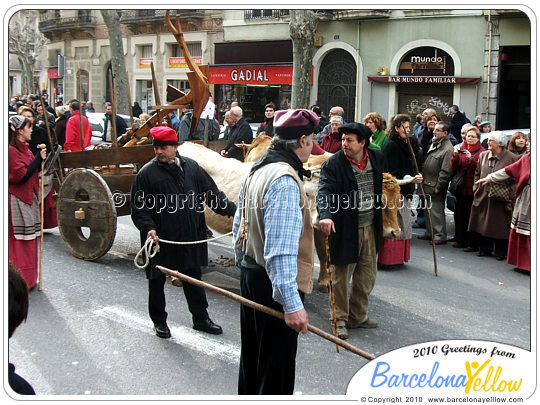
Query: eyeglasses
[438,130]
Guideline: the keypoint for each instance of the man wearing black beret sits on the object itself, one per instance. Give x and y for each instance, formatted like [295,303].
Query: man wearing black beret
[349,204]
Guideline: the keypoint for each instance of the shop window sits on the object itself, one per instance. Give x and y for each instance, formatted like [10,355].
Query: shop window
[182,85]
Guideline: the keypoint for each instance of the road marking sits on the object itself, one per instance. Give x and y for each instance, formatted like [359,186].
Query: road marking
[181,335]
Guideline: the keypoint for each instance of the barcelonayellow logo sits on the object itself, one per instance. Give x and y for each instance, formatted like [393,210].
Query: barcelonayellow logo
[456,368]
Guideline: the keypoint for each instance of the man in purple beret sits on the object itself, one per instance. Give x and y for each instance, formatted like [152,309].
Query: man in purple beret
[274,250]
[167,199]
[354,227]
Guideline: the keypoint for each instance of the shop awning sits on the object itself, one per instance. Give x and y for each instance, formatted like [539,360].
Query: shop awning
[424,79]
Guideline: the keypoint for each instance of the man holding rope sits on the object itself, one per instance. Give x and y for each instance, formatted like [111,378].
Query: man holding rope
[167,202]
[274,250]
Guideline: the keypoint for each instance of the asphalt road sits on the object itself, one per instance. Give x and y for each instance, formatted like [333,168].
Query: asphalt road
[88,332]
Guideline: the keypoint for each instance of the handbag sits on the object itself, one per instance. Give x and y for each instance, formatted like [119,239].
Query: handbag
[456,184]
[499,192]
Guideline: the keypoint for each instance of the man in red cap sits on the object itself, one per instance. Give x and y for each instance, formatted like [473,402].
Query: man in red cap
[274,250]
[354,228]
[167,201]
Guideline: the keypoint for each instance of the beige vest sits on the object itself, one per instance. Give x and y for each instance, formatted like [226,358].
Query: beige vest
[250,239]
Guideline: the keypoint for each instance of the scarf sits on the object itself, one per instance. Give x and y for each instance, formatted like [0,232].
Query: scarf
[361,165]
[281,155]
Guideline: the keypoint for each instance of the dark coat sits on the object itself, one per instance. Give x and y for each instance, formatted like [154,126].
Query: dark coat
[458,120]
[267,127]
[397,161]
[121,126]
[241,131]
[60,130]
[39,136]
[337,179]
[181,216]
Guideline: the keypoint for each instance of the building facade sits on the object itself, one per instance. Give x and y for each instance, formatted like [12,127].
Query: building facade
[385,60]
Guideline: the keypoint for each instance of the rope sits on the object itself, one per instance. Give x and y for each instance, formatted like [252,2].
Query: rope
[149,249]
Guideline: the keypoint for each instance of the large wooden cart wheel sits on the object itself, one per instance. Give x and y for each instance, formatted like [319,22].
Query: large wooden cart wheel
[86,214]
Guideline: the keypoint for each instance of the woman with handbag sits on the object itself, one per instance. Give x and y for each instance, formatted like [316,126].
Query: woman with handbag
[519,244]
[463,162]
[491,208]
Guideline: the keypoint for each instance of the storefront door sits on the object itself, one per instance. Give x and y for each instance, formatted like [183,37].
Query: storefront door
[337,83]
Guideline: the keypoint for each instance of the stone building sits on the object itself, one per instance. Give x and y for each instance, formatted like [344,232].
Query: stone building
[385,60]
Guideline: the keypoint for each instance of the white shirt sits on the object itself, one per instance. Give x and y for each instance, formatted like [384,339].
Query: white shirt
[209,110]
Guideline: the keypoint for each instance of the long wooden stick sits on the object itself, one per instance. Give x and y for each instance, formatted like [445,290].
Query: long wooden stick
[332,296]
[46,119]
[265,309]
[129,102]
[81,111]
[40,272]
[426,209]
[112,86]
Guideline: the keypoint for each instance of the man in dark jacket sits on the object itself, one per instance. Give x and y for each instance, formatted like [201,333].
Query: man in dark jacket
[107,128]
[349,202]
[167,199]
[458,120]
[240,132]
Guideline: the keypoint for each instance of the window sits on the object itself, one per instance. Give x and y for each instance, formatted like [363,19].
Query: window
[146,51]
[194,48]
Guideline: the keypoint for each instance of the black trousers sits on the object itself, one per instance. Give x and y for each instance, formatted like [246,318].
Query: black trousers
[268,352]
[195,297]
[497,247]
[462,213]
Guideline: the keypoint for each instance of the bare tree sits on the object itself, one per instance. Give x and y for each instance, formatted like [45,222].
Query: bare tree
[302,27]
[25,41]
[112,21]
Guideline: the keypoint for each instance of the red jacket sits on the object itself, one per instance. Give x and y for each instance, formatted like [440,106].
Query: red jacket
[73,133]
[19,159]
[331,142]
[460,163]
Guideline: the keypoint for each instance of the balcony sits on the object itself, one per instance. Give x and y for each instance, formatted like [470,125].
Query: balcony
[67,23]
[264,14]
[148,16]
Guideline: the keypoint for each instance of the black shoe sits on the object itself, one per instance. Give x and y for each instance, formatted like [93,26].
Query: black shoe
[500,258]
[162,331]
[209,233]
[484,254]
[208,326]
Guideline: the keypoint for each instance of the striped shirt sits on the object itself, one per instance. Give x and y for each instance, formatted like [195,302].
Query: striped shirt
[282,229]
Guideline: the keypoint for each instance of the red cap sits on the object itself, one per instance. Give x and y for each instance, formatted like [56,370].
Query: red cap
[163,135]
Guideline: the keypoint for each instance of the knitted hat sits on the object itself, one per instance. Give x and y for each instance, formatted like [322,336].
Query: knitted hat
[163,135]
[361,130]
[292,124]
[17,122]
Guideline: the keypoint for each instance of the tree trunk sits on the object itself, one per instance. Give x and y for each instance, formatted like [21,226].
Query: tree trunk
[302,27]
[118,64]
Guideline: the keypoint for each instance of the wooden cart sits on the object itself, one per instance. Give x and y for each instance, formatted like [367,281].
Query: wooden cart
[94,185]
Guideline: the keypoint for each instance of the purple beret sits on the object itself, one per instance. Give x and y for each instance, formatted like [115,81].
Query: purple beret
[292,124]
